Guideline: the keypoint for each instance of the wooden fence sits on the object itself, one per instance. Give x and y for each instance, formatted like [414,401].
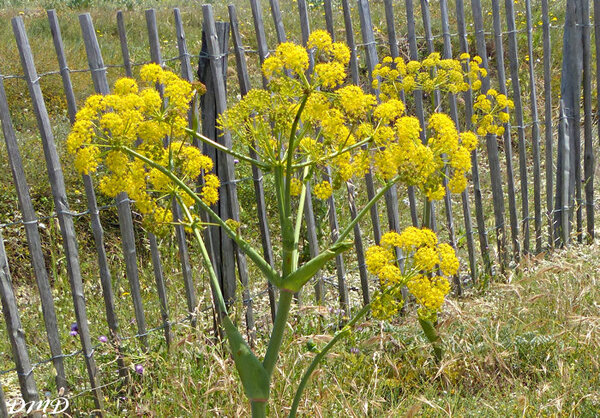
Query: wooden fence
[514,238]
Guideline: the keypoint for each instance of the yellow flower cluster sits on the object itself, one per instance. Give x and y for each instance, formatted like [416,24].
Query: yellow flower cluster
[141,120]
[323,190]
[392,76]
[330,71]
[427,258]
[287,56]
[491,112]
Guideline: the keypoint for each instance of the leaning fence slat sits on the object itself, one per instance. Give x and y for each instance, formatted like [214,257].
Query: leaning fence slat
[535,134]
[329,18]
[92,204]
[465,193]
[391,29]
[33,238]
[261,38]
[98,72]
[513,53]
[123,43]
[358,245]
[15,331]
[259,192]
[548,119]
[190,292]
[477,197]
[507,137]
[588,152]
[214,50]
[61,204]
[348,28]
[3,410]
[276,13]
[491,143]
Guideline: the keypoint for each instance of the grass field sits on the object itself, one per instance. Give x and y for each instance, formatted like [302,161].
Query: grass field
[526,346]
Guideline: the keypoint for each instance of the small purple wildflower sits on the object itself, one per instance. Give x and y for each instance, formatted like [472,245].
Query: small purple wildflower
[103,339]
[139,369]
[236,161]
[73,333]
[354,350]
[74,329]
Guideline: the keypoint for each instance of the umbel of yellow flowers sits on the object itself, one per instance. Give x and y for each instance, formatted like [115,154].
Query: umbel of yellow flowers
[307,123]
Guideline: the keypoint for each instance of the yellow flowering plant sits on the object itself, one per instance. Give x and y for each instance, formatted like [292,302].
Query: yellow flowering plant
[308,120]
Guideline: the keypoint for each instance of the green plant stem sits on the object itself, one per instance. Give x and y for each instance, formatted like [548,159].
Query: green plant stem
[299,217]
[260,262]
[259,409]
[350,227]
[339,335]
[229,151]
[283,310]
[290,157]
[333,155]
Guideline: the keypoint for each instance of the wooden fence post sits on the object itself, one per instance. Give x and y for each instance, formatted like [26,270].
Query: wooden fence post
[257,176]
[60,203]
[33,239]
[491,143]
[92,204]
[15,331]
[98,72]
[3,410]
[588,153]
[226,161]
[568,132]
[548,121]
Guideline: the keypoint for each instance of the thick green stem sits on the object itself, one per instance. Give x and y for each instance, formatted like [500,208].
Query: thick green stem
[283,310]
[338,336]
[290,156]
[433,337]
[259,409]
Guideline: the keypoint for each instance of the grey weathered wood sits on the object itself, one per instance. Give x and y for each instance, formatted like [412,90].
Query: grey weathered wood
[155,54]
[33,238]
[61,204]
[348,28]
[257,176]
[535,134]
[304,21]
[588,152]
[548,121]
[3,410]
[358,245]
[15,331]
[184,258]
[477,197]
[276,13]
[568,132]
[583,16]
[391,29]
[123,43]
[465,194]
[329,18]
[98,72]
[491,142]
[216,66]
[160,287]
[261,38]
[513,53]
[92,204]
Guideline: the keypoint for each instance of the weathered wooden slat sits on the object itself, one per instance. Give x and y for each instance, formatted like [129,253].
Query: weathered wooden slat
[61,204]
[535,134]
[588,152]
[190,292]
[477,197]
[257,176]
[568,132]
[92,204]
[491,143]
[548,157]
[391,29]
[123,42]
[348,28]
[98,72]
[465,194]
[358,245]
[216,66]
[15,331]
[513,54]
[276,13]
[329,18]
[3,410]
[33,238]
[261,38]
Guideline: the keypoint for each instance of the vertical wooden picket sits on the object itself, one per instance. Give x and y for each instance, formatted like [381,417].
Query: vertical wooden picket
[92,204]
[98,72]
[548,137]
[513,52]
[535,134]
[491,143]
[588,152]
[33,239]
[15,331]
[61,204]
